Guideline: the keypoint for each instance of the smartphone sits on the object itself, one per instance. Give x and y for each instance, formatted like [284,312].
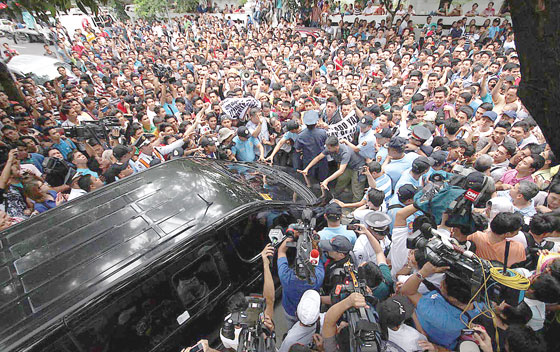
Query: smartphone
[197,348]
[352,227]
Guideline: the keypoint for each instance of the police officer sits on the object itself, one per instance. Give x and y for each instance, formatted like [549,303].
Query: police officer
[418,137]
[366,139]
[378,224]
[310,143]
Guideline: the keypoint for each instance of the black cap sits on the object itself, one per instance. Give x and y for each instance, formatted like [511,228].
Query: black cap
[397,143]
[205,142]
[143,140]
[336,244]
[333,209]
[365,121]
[394,310]
[120,150]
[406,192]
[439,157]
[243,132]
[375,110]
[422,164]
[385,133]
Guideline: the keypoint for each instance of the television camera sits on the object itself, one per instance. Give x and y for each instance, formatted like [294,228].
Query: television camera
[254,335]
[484,279]
[94,129]
[306,243]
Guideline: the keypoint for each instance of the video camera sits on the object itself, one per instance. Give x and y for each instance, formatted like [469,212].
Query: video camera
[163,73]
[464,265]
[58,172]
[93,129]
[254,335]
[307,245]
[364,329]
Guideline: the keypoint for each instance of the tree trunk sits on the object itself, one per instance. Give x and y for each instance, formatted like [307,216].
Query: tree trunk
[536,24]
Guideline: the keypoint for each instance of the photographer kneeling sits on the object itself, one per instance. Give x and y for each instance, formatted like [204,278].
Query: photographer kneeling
[441,315]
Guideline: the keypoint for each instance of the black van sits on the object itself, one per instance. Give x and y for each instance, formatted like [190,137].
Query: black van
[145,264]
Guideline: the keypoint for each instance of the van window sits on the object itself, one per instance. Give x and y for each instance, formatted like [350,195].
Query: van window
[249,235]
[148,314]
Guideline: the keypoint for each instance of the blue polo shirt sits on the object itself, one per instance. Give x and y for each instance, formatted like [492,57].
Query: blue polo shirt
[244,150]
[330,232]
[396,168]
[293,288]
[440,320]
[65,147]
[407,179]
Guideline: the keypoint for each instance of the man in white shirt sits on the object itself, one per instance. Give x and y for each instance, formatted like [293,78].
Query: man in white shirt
[310,322]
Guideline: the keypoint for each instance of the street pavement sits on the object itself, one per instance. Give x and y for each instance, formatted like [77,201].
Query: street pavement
[24,48]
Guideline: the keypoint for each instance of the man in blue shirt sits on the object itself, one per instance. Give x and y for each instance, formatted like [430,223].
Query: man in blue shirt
[293,287]
[244,146]
[64,145]
[413,176]
[383,137]
[402,198]
[366,139]
[333,213]
[310,143]
[440,314]
[399,162]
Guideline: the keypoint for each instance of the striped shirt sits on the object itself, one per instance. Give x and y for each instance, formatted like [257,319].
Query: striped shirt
[383,183]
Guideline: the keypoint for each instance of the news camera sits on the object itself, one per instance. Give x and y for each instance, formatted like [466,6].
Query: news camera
[364,330]
[163,73]
[484,279]
[254,335]
[94,129]
[307,257]
[58,172]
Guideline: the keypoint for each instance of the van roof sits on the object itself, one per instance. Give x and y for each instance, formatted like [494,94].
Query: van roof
[79,249]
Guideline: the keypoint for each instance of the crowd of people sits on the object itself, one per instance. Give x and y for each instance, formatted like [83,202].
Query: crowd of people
[372,115]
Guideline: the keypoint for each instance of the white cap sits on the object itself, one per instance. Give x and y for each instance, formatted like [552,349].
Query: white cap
[499,205]
[309,307]
[361,214]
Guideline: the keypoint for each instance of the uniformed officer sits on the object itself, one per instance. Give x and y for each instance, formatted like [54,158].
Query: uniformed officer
[366,139]
[311,142]
[378,224]
[418,137]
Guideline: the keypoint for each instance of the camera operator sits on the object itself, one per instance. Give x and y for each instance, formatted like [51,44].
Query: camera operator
[333,315]
[377,224]
[542,226]
[333,214]
[268,294]
[441,315]
[293,287]
[491,244]
[338,251]
[310,320]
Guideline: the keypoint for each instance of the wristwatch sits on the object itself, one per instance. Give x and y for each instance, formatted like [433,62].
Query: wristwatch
[419,276]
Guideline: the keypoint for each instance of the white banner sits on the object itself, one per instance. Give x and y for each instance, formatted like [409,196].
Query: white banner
[236,108]
[344,129]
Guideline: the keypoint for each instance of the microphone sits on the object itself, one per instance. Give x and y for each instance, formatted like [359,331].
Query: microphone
[314,257]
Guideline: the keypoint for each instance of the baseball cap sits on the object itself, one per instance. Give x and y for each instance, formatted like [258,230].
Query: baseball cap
[422,164]
[336,244]
[310,117]
[421,133]
[365,121]
[394,310]
[397,143]
[491,115]
[224,133]
[511,114]
[333,209]
[309,307]
[205,142]
[120,150]
[439,157]
[375,110]
[143,140]
[384,133]
[243,132]
[406,192]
